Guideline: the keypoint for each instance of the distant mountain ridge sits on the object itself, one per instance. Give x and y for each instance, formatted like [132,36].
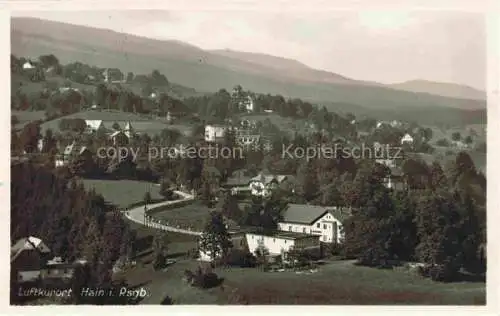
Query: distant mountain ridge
[441,88]
[209,71]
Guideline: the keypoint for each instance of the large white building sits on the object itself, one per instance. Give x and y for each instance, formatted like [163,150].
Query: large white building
[323,221]
[214,132]
[280,242]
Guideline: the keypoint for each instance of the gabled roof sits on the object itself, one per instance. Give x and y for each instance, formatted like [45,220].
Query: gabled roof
[308,214]
[303,213]
[116,133]
[94,124]
[69,149]
[28,243]
[266,179]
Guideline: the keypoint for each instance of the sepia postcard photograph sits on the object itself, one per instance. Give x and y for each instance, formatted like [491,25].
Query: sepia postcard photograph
[248,157]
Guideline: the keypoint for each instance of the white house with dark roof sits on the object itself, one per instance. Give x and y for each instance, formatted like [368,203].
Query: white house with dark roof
[28,65]
[407,139]
[94,125]
[263,185]
[30,262]
[214,132]
[70,152]
[323,221]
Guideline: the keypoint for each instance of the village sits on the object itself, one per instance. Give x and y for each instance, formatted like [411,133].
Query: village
[130,189]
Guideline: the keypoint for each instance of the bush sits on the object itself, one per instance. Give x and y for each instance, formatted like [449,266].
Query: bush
[443,142]
[240,258]
[438,272]
[334,249]
[203,278]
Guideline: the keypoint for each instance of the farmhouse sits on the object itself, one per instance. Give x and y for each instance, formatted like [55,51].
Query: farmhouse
[323,221]
[94,125]
[70,152]
[28,65]
[119,138]
[113,75]
[280,242]
[238,183]
[29,259]
[214,133]
[263,185]
[407,139]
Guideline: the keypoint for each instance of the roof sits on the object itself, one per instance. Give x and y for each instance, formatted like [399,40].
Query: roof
[266,179]
[69,149]
[237,181]
[308,214]
[28,243]
[116,133]
[396,171]
[94,124]
[281,234]
[303,213]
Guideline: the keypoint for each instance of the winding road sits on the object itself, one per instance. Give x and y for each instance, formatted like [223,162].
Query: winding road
[136,214]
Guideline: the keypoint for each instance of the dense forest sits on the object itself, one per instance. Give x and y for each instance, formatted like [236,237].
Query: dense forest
[75,224]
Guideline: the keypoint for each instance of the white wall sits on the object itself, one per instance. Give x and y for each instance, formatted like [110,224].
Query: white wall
[274,245]
[297,228]
[330,229]
[213,132]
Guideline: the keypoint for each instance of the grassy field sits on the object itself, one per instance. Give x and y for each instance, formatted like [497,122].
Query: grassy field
[191,216]
[123,193]
[25,117]
[336,283]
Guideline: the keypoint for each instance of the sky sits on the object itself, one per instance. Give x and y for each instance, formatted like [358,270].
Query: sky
[383,46]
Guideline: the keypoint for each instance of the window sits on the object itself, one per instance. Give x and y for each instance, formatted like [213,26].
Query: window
[290,228]
[285,241]
[274,240]
[324,226]
[318,225]
[304,230]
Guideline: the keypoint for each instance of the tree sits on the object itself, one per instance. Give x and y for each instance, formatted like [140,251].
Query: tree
[37,75]
[439,245]
[468,140]
[48,60]
[229,208]
[116,126]
[14,120]
[215,240]
[130,77]
[158,79]
[456,136]
[30,136]
[101,94]
[160,247]
[165,188]
[147,198]
[49,143]
[307,177]
[261,254]
[443,142]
